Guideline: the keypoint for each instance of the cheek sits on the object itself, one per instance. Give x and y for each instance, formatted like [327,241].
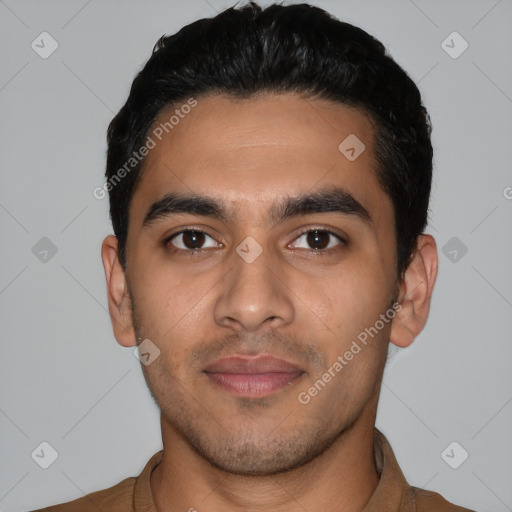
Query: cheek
[354,296]
[167,298]
[173,312]
[350,304]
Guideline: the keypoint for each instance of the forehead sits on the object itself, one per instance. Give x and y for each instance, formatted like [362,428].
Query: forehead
[250,152]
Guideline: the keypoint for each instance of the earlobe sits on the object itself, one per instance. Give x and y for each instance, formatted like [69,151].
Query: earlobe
[415,293]
[117,291]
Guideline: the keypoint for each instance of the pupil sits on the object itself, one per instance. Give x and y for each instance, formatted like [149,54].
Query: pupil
[315,236]
[193,238]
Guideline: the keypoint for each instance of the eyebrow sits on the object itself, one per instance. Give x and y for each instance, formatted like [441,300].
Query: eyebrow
[328,200]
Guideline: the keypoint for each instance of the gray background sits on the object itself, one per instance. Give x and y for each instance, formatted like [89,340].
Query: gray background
[64,378]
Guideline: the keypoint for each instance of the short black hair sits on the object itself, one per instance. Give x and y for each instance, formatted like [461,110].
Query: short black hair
[247,50]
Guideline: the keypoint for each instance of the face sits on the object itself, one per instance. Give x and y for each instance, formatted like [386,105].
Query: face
[256,294]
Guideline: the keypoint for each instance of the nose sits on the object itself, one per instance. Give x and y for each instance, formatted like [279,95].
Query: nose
[254,294]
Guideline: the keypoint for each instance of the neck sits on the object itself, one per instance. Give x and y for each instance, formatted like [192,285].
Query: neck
[344,478]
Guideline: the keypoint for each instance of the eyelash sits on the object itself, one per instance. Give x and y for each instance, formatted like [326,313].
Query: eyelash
[194,252]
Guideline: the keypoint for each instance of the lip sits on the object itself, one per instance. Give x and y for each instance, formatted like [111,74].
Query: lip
[252,377]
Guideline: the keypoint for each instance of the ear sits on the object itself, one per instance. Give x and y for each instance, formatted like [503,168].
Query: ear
[415,293]
[118,296]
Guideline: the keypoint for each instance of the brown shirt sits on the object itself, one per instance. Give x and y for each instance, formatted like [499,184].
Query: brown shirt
[393,494]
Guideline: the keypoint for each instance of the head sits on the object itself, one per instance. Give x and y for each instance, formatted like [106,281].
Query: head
[277,171]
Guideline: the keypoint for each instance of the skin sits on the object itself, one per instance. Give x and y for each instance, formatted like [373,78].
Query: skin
[227,453]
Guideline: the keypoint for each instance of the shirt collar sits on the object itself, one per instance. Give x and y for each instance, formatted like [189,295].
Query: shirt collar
[393,492]
[142,495]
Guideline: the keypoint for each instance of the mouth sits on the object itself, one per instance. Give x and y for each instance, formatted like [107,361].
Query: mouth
[252,377]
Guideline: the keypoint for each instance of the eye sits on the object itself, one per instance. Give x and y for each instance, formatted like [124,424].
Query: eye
[320,240]
[190,240]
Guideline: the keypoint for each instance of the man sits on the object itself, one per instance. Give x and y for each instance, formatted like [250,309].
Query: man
[269,181]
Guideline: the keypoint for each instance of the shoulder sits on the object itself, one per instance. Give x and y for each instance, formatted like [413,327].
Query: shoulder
[133,491]
[117,498]
[429,501]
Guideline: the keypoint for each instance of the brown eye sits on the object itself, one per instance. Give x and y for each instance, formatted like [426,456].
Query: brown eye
[319,240]
[190,240]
